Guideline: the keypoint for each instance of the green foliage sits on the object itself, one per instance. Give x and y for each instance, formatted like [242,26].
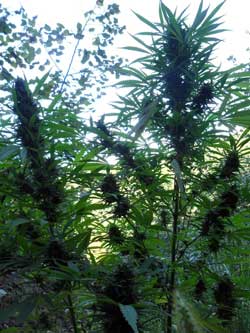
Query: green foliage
[140,224]
[130,315]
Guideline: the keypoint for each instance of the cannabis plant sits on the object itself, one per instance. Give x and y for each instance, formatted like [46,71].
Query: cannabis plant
[184,163]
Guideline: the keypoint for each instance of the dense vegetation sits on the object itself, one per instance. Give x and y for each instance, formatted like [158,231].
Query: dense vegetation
[136,222]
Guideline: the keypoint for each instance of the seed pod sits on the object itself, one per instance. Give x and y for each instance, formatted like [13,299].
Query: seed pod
[56,253]
[209,182]
[200,289]
[212,220]
[230,198]
[29,230]
[101,126]
[28,122]
[24,107]
[106,138]
[123,150]
[44,321]
[140,251]
[121,288]
[122,207]
[231,165]
[24,184]
[224,298]
[204,96]
[214,244]
[115,235]
[110,188]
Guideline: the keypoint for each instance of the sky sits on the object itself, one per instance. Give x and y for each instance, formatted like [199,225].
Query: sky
[235,12]
[236,17]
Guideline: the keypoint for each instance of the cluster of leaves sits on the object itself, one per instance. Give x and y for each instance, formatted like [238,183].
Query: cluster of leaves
[120,247]
[181,99]
[26,46]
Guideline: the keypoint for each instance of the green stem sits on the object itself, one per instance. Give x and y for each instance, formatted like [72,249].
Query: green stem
[51,229]
[171,289]
[72,314]
[74,51]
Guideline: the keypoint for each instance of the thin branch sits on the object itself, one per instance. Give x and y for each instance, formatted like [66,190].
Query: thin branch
[72,313]
[170,305]
[74,52]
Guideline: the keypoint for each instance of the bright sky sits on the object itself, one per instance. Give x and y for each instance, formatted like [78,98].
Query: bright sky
[236,17]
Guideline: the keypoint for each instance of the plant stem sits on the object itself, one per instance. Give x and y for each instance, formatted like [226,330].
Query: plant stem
[74,52]
[51,229]
[170,305]
[72,313]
